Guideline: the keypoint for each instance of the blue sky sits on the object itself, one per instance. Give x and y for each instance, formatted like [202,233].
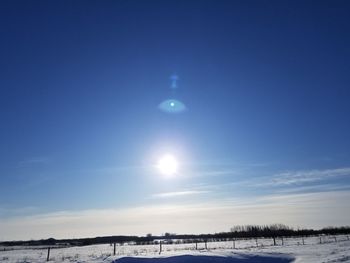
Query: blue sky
[264,139]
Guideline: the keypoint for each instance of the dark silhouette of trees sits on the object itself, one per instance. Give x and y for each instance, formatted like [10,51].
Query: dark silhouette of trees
[247,231]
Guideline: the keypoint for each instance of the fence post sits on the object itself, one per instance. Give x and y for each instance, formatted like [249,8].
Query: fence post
[114,249]
[48,254]
[234,243]
[206,247]
[274,241]
[196,245]
[160,247]
[256,241]
[282,241]
[303,241]
[320,240]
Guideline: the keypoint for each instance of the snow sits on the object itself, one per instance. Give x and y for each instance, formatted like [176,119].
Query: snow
[246,251]
[207,258]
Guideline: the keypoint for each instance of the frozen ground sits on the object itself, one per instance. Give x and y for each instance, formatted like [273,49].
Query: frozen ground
[246,251]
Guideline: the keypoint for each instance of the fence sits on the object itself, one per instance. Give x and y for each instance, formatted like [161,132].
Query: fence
[103,251]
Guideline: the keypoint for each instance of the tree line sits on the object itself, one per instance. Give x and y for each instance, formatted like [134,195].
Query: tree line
[243,231]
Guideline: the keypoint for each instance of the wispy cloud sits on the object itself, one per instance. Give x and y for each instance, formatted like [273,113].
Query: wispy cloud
[299,177]
[179,193]
[314,188]
[296,179]
[302,181]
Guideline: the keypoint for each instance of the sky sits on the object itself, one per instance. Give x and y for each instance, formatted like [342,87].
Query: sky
[264,138]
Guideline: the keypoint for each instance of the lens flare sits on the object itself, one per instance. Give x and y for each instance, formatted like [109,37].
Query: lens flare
[172,106]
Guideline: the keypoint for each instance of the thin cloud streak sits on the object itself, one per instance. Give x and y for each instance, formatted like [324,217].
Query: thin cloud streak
[315,188]
[290,179]
[296,178]
[299,177]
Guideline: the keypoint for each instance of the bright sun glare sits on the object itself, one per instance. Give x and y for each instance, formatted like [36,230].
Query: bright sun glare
[167,165]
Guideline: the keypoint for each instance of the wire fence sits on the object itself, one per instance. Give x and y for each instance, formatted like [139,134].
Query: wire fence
[61,253]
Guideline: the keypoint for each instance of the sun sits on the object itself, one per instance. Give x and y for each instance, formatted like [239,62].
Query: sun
[167,165]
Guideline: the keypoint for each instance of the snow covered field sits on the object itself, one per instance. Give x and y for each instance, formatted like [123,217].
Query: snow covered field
[248,251]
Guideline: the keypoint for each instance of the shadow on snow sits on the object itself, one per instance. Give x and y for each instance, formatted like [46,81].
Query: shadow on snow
[272,258]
